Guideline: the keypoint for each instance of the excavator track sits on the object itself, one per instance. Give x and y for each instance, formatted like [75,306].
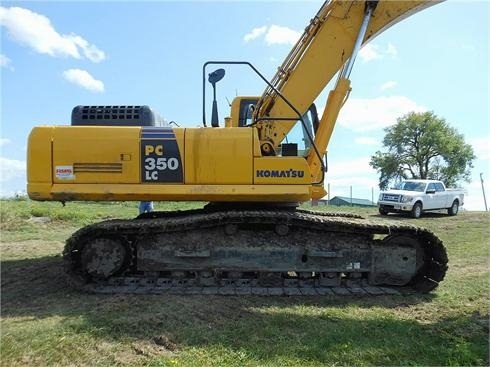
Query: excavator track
[262,252]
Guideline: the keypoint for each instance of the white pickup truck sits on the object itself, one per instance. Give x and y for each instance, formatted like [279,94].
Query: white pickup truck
[417,196]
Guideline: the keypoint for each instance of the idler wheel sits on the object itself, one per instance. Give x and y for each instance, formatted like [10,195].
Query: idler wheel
[282,229]
[104,257]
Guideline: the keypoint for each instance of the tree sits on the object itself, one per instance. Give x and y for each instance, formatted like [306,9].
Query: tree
[422,145]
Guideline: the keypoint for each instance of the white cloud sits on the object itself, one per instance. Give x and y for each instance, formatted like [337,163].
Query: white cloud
[373,51]
[36,31]
[481,147]
[391,50]
[281,35]
[5,62]
[355,173]
[255,33]
[388,85]
[345,168]
[4,141]
[369,52]
[365,140]
[11,169]
[83,79]
[274,34]
[91,52]
[360,114]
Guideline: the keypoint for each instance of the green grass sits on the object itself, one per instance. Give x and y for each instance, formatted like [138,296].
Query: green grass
[45,323]
[26,219]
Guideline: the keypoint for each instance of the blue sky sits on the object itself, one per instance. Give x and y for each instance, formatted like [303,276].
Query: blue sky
[56,55]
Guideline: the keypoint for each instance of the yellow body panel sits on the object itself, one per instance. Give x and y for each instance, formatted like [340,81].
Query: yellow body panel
[281,171]
[95,154]
[135,163]
[218,156]
[39,155]
[136,192]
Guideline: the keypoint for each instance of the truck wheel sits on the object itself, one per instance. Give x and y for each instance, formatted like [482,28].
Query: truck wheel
[382,211]
[453,210]
[417,210]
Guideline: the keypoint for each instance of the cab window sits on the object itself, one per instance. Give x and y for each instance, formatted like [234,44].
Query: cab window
[247,107]
[300,134]
[439,187]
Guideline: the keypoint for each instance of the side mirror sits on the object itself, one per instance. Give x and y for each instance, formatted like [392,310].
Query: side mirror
[213,78]
[431,191]
[216,76]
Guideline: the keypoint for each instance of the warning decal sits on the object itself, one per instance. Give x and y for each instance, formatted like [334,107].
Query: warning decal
[64,173]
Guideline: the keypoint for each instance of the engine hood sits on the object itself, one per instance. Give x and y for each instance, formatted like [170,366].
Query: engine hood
[402,192]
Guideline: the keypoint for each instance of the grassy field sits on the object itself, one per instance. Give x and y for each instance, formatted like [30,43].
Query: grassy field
[45,323]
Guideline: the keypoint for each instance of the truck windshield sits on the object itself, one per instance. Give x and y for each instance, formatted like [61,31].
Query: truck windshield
[411,186]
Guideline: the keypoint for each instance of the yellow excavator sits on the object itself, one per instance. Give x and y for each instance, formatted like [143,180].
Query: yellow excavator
[252,238]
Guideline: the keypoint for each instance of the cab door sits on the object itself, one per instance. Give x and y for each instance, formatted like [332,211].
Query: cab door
[431,198]
[441,196]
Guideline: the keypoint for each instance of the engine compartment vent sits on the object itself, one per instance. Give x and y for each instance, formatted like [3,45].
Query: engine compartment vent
[116,116]
[97,167]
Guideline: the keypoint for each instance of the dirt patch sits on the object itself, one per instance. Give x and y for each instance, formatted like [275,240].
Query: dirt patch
[166,342]
[160,345]
[29,249]
[39,219]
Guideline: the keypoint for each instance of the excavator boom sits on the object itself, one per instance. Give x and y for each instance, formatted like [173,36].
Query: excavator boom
[328,46]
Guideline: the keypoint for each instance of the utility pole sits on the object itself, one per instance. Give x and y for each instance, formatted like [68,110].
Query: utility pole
[328,193]
[483,190]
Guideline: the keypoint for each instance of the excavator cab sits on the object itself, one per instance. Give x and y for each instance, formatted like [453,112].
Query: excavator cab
[297,142]
[241,113]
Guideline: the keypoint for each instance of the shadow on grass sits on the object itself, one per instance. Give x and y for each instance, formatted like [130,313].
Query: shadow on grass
[260,329]
[405,216]
[38,287]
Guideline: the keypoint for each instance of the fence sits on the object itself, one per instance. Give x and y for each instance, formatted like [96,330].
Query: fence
[349,195]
